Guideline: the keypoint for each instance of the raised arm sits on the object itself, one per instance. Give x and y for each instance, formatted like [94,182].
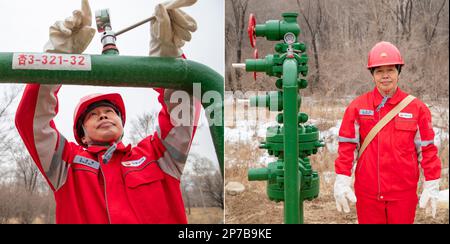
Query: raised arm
[39,104]
[178,118]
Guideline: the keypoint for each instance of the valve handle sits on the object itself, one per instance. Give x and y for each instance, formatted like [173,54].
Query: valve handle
[251,29]
[255,56]
[103,20]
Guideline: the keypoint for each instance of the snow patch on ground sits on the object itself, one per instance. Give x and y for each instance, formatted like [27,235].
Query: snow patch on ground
[247,131]
[443,198]
[251,132]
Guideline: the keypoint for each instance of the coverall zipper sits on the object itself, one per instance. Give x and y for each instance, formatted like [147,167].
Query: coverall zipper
[378,159]
[106,197]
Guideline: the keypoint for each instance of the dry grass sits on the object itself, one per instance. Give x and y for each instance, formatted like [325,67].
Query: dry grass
[324,110]
[323,161]
[197,216]
[38,220]
[205,216]
[253,206]
[444,156]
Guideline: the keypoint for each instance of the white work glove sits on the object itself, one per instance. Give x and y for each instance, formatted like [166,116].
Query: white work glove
[72,35]
[430,194]
[342,192]
[171,28]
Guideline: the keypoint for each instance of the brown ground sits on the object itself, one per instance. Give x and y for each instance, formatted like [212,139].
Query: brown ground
[211,215]
[205,216]
[252,206]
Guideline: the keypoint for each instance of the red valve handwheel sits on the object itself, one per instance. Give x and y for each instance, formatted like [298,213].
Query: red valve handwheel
[251,29]
[255,56]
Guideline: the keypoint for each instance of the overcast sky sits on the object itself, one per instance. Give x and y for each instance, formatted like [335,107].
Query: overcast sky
[24,27]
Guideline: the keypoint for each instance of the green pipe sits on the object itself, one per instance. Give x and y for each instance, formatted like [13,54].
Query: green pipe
[290,119]
[274,30]
[300,211]
[258,174]
[273,101]
[132,71]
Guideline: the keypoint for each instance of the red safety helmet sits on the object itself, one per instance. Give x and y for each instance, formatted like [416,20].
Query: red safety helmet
[384,53]
[112,99]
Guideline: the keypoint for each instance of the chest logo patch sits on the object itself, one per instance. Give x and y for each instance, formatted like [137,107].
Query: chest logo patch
[134,163]
[405,115]
[365,112]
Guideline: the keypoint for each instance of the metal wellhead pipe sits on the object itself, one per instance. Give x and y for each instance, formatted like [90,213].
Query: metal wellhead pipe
[124,71]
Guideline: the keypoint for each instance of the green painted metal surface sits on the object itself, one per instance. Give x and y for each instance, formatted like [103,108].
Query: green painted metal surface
[291,175]
[291,178]
[274,30]
[133,71]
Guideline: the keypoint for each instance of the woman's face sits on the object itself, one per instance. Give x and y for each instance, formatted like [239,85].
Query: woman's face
[102,124]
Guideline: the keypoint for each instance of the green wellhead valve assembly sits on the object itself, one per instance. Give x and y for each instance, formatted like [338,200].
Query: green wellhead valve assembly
[290,178]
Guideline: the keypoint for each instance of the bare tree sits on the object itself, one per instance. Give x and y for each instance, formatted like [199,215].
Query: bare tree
[213,186]
[7,131]
[432,12]
[229,44]
[23,190]
[28,188]
[339,35]
[403,13]
[6,203]
[313,16]
[208,180]
[7,98]
[142,127]
[236,28]
[186,197]
[27,174]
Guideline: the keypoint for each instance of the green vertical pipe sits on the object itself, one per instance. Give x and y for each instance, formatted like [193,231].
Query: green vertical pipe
[133,71]
[300,203]
[290,118]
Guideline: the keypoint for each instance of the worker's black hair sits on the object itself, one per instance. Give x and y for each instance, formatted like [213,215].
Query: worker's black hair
[398,66]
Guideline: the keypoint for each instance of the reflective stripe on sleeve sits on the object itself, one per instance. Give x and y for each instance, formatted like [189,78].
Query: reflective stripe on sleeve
[351,140]
[426,143]
[57,171]
[177,144]
[170,166]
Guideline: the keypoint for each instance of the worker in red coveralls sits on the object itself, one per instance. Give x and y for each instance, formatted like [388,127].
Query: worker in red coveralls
[387,172]
[101,180]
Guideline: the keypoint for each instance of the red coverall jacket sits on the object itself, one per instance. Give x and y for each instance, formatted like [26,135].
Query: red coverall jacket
[138,185]
[389,168]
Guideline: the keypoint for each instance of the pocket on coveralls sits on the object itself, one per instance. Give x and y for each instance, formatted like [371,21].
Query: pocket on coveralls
[146,193]
[405,131]
[148,173]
